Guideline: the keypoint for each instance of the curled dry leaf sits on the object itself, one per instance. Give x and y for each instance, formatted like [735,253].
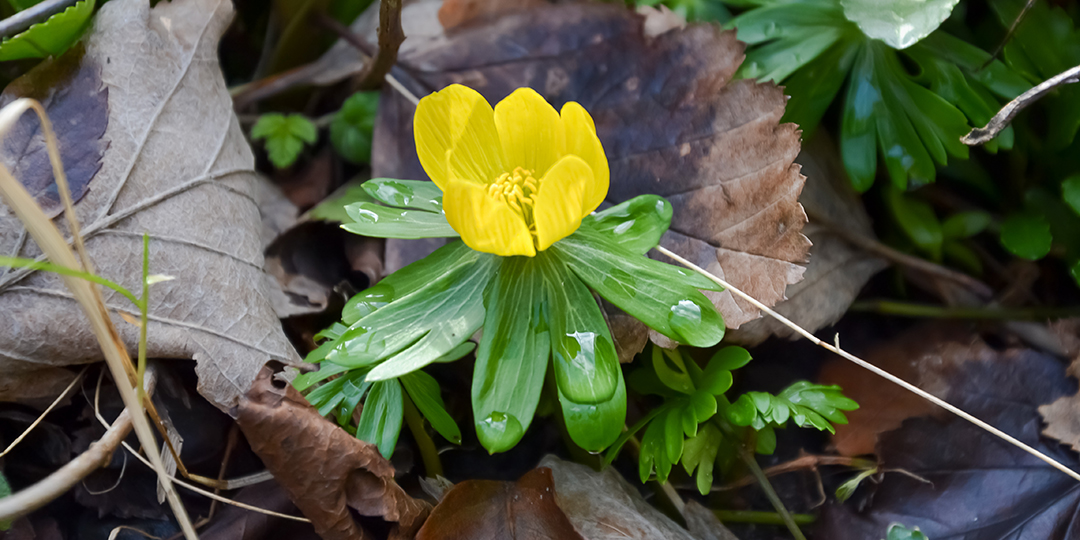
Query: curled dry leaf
[980,487]
[494,510]
[670,118]
[177,167]
[325,470]
[1063,415]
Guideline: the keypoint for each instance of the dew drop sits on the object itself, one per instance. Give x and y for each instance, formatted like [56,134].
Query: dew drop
[685,317]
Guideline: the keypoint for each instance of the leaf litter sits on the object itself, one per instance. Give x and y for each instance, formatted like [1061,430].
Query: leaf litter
[173,163]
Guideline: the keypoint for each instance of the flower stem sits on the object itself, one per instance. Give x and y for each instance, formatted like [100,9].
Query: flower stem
[762,518]
[428,453]
[763,480]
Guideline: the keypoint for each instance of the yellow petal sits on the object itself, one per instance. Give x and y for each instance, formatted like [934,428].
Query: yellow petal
[484,223]
[457,118]
[581,141]
[557,211]
[530,130]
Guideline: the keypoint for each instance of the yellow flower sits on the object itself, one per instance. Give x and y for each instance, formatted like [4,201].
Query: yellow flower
[515,179]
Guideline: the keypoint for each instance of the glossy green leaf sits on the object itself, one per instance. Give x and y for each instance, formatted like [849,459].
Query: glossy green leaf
[663,297]
[583,353]
[380,421]
[766,441]
[1026,235]
[352,127]
[791,38]
[20,5]
[418,194]
[425,393]
[899,23]
[416,329]
[377,221]
[285,136]
[699,453]
[636,225]
[847,489]
[326,397]
[965,224]
[1070,192]
[595,427]
[333,207]
[742,412]
[899,532]
[49,38]
[815,86]
[351,393]
[513,354]
[671,369]
[673,434]
[717,377]
[917,220]
[654,456]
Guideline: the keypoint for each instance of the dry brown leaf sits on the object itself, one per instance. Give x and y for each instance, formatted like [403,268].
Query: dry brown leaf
[235,523]
[325,470]
[493,510]
[604,506]
[926,356]
[1063,415]
[837,269]
[671,121]
[177,167]
[455,13]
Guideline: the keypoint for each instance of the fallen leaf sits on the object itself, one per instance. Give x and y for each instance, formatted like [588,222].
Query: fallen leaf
[1063,415]
[493,510]
[178,168]
[837,269]
[604,506]
[671,121]
[455,13]
[325,470]
[235,523]
[981,487]
[926,356]
[704,524]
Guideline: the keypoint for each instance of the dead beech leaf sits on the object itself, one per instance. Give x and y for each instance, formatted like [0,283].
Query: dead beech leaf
[670,118]
[177,167]
[494,510]
[325,470]
[1063,415]
[837,269]
[926,356]
[604,506]
[980,487]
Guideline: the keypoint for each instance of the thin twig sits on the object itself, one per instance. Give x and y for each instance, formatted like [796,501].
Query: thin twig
[32,15]
[909,309]
[349,37]
[808,462]
[903,259]
[44,413]
[871,367]
[390,38]
[770,493]
[1012,108]
[1009,33]
[59,482]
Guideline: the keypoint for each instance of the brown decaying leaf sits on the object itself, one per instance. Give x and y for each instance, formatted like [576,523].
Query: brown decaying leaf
[980,487]
[325,470]
[455,13]
[926,356]
[671,121]
[1063,415]
[604,506]
[493,510]
[234,523]
[837,269]
[177,167]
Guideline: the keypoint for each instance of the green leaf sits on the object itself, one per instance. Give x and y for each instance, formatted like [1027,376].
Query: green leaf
[965,224]
[1070,192]
[416,329]
[663,297]
[699,453]
[671,370]
[20,5]
[352,127]
[583,353]
[285,136]
[917,220]
[5,491]
[654,450]
[717,377]
[379,221]
[380,421]
[333,208]
[1075,271]
[636,225]
[425,393]
[513,354]
[795,33]
[1026,235]
[594,427]
[766,441]
[899,532]
[899,23]
[49,38]
[418,194]
[807,404]
[742,412]
[847,489]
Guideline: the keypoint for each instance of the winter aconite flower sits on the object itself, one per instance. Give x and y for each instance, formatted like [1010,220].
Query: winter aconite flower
[516,178]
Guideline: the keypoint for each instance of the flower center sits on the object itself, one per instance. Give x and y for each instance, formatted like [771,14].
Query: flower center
[518,190]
